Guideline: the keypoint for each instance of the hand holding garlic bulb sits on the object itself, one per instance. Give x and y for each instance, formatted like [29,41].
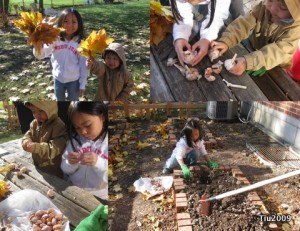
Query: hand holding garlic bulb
[238,67]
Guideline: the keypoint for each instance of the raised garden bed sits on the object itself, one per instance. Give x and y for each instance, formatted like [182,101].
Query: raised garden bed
[239,212]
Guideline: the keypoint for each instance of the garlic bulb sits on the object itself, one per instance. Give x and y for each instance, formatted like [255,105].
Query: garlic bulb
[228,64]
[192,73]
[189,56]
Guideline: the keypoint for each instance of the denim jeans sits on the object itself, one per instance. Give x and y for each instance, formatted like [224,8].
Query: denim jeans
[190,159]
[72,89]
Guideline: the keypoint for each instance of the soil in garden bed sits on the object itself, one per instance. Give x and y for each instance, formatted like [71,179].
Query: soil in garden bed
[231,213]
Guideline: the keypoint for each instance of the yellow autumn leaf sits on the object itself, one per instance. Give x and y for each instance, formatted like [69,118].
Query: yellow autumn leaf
[141,145]
[7,168]
[117,188]
[131,189]
[4,188]
[110,171]
[95,43]
[119,196]
[38,32]
[161,22]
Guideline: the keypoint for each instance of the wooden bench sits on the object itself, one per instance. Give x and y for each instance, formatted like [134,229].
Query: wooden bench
[168,84]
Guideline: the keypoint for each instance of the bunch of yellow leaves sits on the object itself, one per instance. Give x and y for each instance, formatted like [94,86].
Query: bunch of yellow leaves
[4,188]
[95,43]
[38,32]
[161,22]
[7,168]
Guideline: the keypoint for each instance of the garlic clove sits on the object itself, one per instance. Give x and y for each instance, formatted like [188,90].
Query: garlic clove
[50,193]
[171,62]
[217,67]
[213,54]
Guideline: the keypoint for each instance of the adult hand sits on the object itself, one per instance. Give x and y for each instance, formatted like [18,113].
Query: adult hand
[202,45]
[239,67]
[212,164]
[186,172]
[222,47]
[179,45]
[73,158]
[89,158]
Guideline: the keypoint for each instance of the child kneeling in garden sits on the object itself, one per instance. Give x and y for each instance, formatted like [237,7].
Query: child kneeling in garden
[188,149]
[115,81]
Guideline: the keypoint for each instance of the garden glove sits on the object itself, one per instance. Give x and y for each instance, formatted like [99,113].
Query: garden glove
[212,164]
[259,72]
[186,172]
[97,220]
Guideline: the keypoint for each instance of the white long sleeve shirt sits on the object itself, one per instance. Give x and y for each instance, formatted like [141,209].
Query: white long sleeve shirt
[67,64]
[184,28]
[91,178]
[182,148]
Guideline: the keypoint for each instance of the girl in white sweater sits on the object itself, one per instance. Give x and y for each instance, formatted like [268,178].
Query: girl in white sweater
[85,159]
[68,66]
[218,11]
[188,149]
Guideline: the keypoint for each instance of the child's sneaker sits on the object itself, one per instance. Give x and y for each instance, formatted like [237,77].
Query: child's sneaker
[166,171]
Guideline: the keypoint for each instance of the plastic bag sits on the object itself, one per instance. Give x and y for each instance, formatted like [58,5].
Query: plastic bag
[21,204]
[153,186]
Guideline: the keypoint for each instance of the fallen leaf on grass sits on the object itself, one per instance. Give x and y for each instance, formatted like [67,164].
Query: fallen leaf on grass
[131,189]
[117,188]
[141,145]
[119,196]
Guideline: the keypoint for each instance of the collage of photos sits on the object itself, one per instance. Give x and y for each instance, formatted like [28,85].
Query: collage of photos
[149,115]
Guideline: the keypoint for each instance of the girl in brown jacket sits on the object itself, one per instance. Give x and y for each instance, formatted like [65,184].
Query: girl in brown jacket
[115,81]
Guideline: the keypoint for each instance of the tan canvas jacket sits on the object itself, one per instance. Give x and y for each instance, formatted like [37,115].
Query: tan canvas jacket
[275,44]
[113,84]
[50,136]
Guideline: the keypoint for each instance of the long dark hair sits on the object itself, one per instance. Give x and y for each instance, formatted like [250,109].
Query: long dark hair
[61,19]
[178,17]
[95,108]
[191,124]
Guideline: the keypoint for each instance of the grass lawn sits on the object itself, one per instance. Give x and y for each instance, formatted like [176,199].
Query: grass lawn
[25,78]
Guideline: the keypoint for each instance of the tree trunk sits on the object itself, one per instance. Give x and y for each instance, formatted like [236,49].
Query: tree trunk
[5,7]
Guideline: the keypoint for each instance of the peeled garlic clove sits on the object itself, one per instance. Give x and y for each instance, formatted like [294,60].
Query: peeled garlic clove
[24,170]
[213,54]
[208,76]
[217,68]
[228,64]
[171,62]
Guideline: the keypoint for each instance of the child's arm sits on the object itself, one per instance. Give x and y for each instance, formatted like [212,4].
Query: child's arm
[49,150]
[128,85]
[45,51]
[97,68]
[70,160]
[83,74]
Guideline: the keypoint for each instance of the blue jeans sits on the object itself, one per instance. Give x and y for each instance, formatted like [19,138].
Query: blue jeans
[190,159]
[72,89]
